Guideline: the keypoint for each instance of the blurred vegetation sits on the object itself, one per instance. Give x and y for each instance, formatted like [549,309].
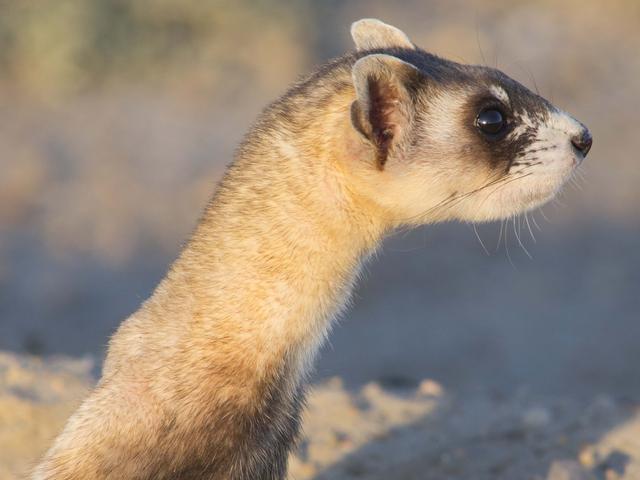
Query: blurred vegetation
[50,48]
[53,47]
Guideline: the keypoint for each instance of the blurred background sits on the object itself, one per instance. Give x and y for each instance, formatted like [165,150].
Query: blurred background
[117,118]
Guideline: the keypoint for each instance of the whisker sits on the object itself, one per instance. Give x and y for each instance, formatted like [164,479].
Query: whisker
[531,77]
[526,218]
[480,240]
[535,222]
[580,176]
[495,54]
[519,240]
[544,215]
[557,202]
[575,183]
[506,243]
[500,234]
[484,60]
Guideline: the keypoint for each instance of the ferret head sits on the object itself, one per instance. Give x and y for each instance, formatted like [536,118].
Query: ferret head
[448,140]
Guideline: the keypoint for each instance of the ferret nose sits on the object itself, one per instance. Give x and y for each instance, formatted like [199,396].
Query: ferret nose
[582,141]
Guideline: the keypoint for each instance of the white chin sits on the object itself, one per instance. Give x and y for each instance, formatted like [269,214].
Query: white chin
[513,201]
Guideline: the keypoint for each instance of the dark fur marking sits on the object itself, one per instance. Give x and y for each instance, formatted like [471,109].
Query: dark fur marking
[292,110]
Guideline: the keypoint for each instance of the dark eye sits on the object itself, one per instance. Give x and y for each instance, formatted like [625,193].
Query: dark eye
[490,121]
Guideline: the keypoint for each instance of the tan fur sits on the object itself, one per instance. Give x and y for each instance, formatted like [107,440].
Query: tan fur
[206,379]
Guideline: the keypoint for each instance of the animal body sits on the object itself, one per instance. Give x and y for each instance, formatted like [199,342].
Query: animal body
[206,380]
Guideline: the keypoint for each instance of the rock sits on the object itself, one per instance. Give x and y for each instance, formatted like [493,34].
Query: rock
[610,474]
[588,457]
[430,388]
[567,470]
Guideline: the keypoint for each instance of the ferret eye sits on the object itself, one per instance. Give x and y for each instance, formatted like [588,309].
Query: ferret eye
[490,121]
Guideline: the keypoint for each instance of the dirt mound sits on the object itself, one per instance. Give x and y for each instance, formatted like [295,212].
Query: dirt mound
[36,397]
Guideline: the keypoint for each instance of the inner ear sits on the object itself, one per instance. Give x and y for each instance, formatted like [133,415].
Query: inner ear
[386,118]
[383,109]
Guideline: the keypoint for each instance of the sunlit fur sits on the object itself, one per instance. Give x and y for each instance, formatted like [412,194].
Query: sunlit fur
[206,380]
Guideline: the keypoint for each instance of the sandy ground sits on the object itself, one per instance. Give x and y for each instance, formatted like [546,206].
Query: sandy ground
[379,431]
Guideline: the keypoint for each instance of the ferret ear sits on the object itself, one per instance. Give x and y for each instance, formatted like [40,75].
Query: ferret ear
[370,34]
[383,109]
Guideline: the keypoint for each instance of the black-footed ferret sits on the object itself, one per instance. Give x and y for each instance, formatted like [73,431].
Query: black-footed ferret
[206,380]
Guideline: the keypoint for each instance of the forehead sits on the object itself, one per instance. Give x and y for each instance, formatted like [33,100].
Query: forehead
[519,99]
[477,83]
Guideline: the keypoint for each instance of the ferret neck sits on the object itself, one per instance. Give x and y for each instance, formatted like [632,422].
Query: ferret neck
[277,252]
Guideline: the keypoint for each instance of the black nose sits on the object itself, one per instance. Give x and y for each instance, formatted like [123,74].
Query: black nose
[582,141]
